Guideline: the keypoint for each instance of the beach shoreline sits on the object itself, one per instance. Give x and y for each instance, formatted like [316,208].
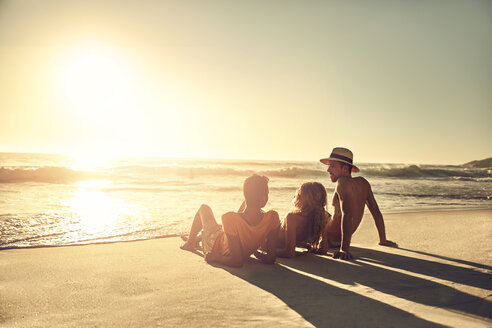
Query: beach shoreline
[433,279]
[367,214]
[45,201]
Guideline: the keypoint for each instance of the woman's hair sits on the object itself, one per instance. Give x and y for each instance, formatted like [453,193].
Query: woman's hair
[313,208]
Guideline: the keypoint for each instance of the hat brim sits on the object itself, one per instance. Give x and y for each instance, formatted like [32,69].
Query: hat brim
[327,161]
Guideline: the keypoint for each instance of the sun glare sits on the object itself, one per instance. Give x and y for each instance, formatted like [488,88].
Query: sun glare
[96,80]
[102,97]
[112,105]
[91,160]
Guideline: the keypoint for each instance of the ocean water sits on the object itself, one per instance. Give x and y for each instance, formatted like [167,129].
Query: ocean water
[52,200]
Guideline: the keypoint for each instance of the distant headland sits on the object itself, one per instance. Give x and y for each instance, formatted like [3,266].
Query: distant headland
[482,164]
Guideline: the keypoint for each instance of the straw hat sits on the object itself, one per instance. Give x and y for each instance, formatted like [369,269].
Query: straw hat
[343,155]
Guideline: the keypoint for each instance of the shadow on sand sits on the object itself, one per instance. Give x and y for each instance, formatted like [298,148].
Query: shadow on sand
[473,264]
[341,307]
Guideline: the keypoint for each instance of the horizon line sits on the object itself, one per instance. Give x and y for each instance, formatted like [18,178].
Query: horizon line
[228,158]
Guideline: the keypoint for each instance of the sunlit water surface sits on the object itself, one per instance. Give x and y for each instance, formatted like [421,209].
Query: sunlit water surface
[48,200]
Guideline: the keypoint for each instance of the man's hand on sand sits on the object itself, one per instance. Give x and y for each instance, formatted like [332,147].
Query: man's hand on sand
[342,255]
[388,243]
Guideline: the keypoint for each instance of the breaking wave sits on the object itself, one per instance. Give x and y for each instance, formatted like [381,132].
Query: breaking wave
[415,171]
[43,174]
[219,170]
[462,196]
[150,174]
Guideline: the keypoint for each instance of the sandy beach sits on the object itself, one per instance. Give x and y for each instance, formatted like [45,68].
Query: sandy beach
[440,276]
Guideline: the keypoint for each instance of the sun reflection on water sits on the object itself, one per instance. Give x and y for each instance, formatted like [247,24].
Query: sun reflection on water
[99,214]
[94,184]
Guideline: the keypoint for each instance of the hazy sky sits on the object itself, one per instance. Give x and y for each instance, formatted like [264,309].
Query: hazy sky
[395,81]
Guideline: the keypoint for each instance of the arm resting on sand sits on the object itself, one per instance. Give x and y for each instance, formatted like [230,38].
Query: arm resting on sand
[271,245]
[234,259]
[323,245]
[291,224]
[378,219]
[344,197]
[346,231]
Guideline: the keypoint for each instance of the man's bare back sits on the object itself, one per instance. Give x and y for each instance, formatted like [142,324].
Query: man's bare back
[359,189]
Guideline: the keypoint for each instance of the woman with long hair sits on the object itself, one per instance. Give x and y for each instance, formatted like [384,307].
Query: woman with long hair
[305,224]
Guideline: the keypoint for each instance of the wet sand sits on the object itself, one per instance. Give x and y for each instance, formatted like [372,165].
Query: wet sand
[441,275]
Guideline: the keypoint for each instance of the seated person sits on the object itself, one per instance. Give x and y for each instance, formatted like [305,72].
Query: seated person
[304,226]
[352,195]
[242,232]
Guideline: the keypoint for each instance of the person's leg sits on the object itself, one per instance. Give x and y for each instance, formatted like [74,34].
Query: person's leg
[203,216]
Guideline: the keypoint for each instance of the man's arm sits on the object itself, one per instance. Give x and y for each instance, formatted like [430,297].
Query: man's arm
[235,257]
[346,224]
[378,218]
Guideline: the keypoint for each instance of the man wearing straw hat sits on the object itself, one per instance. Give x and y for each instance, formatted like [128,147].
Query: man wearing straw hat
[351,196]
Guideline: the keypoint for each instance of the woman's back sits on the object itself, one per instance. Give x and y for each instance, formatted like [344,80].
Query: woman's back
[305,224]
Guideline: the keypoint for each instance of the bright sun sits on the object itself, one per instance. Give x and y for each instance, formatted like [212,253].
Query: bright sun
[95,79]
[98,89]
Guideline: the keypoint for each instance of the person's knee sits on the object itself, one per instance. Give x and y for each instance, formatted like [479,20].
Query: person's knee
[205,210]
[205,213]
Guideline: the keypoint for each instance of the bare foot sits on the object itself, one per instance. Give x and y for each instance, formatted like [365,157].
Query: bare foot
[193,245]
[188,246]
[388,243]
